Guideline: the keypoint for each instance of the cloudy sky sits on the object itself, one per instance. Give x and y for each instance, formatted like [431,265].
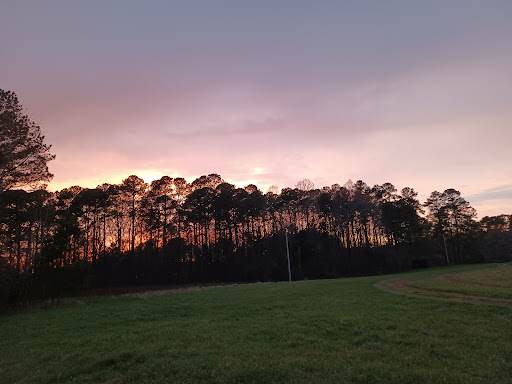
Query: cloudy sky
[416,93]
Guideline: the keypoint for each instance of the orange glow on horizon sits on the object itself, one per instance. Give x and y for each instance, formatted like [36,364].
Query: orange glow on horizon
[149,175]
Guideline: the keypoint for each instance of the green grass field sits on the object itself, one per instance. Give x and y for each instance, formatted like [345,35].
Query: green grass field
[324,331]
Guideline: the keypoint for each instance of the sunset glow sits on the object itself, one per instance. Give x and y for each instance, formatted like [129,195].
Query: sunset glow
[417,95]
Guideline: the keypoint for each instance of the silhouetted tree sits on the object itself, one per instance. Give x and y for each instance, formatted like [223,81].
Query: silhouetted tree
[496,223]
[181,189]
[273,189]
[23,154]
[134,187]
[305,185]
[160,194]
[452,215]
[497,238]
[400,213]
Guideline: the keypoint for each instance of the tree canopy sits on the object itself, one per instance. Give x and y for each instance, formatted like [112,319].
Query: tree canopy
[23,153]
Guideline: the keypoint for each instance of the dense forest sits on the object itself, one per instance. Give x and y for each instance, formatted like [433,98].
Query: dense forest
[208,231]
[172,231]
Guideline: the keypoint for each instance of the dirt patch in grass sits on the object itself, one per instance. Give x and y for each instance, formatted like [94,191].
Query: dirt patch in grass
[406,286]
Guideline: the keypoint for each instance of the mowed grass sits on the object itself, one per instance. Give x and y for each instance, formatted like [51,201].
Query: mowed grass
[493,282]
[324,331]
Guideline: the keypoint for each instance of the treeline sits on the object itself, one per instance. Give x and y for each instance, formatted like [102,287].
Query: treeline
[172,231]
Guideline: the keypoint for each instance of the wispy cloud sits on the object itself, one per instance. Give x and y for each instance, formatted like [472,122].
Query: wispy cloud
[503,192]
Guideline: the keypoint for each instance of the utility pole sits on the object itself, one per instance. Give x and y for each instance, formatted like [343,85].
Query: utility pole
[446,250]
[288,256]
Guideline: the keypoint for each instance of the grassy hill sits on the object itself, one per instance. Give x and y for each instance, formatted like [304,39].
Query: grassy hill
[324,331]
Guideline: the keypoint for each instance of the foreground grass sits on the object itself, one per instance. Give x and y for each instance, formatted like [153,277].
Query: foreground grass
[326,331]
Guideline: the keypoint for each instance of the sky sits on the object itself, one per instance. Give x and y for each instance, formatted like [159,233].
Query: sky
[416,93]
